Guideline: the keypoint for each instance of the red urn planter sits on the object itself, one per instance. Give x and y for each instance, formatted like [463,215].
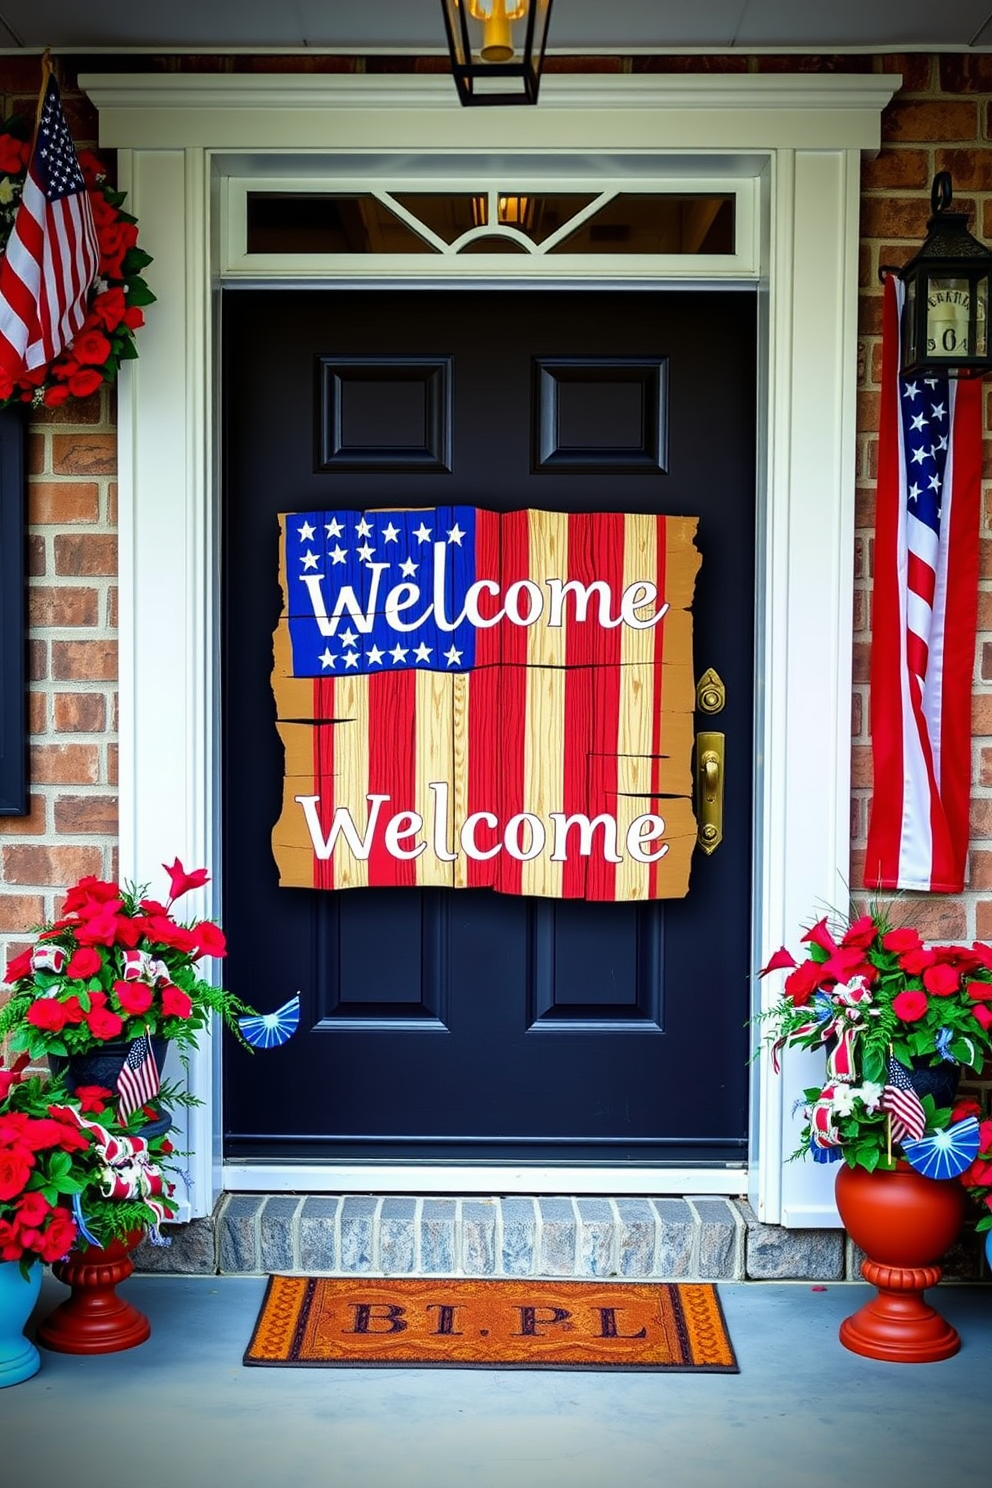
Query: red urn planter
[94,1320]
[904,1223]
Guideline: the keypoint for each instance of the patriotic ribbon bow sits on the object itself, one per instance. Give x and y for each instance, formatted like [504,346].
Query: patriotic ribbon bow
[47,958]
[128,1173]
[139,966]
[839,1020]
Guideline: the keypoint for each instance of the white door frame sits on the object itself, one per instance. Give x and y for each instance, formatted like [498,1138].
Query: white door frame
[807,134]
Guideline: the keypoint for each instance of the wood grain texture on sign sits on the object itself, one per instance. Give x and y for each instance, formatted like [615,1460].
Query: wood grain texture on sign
[557,763]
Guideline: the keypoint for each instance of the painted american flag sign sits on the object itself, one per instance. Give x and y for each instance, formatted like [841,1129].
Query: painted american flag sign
[924,617]
[493,700]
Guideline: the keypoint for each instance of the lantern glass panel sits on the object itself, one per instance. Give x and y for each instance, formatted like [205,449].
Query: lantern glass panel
[948,316]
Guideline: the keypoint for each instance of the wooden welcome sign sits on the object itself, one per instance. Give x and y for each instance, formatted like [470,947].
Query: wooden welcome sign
[492,700]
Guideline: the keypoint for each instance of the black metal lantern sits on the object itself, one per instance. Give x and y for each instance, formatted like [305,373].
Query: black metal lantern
[497,48]
[945,322]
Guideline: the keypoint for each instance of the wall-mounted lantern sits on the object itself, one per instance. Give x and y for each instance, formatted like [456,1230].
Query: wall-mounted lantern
[497,48]
[945,319]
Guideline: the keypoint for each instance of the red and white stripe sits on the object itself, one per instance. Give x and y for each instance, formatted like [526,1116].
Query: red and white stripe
[923,638]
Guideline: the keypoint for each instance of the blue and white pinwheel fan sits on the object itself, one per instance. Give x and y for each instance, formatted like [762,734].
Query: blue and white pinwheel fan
[267,1030]
[945,1154]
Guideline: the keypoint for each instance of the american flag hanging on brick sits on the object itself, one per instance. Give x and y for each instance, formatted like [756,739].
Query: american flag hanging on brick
[52,254]
[138,1080]
[923,628]
[902,1104]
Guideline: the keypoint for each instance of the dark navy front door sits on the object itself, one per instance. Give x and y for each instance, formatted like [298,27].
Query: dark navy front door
[463,1024]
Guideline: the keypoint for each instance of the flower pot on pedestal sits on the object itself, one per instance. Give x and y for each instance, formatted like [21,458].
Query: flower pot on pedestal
[93,1319]
[103,1065]
[19,1359]
[904,1223]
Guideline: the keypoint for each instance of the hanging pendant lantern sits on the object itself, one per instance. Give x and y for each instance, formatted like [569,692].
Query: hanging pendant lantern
[945,322]
[497,48]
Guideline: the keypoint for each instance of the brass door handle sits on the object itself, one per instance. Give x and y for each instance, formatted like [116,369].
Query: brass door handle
[709,790]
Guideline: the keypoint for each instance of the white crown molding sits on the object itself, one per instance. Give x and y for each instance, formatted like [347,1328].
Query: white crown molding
[178,90]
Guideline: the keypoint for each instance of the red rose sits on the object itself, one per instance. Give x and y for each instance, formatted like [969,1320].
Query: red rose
[210,939]
[941,980]
[99,928]
[48,1014]
[175,1003]
[103,213]
[73,1010]
[983,1015]
[181,882]
[965,1108]
[134,997]
[88,893]
[847,963]
[134,317]
[978,1174]
[17,967]
[103,1024]
[14,155]
[901,940]
[10,1245]
[861,933]
[94,171]
[909,1006]
[58,1237]
[92,1098]
[108,308]
[84,962]
[91,348]
[914,963]
[979,991]
[15,1170]
[56,396]
[85,382]
[803,982]
[163,931]
[33,1209]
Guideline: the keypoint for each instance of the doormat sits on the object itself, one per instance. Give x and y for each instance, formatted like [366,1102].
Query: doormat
[316,1321]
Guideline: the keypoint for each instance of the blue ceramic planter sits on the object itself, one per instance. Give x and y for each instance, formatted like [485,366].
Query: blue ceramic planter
[19,1359]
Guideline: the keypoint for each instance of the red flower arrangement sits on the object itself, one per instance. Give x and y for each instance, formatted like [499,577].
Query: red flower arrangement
[115,966]
[117,299]
[62,1157]
[892,1013]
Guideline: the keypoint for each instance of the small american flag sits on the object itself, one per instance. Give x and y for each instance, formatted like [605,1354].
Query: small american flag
[52,255]
[138,1080]
[902,1104]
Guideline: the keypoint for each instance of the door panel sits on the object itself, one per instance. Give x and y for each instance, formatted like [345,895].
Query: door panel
[469,1024]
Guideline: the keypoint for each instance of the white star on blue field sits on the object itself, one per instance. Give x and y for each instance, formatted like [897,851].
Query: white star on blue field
[924,410]
[352,563]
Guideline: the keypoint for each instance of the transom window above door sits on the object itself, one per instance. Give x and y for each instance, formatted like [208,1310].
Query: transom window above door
[312,229]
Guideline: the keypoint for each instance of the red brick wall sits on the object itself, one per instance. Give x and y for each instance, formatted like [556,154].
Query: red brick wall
[942,118]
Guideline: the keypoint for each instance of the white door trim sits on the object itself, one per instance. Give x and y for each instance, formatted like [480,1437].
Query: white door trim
[808,133]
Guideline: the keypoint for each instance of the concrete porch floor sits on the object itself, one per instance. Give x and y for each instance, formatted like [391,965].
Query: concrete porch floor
[182,1409]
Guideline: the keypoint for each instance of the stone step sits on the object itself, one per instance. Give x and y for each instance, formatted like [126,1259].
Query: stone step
[695,1238]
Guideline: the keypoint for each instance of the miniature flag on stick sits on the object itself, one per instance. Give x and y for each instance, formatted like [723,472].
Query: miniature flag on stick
[902,1104]
[924,613]
[52,254]
[138,1080]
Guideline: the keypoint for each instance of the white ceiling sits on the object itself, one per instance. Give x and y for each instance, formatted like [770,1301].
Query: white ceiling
[378,25]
